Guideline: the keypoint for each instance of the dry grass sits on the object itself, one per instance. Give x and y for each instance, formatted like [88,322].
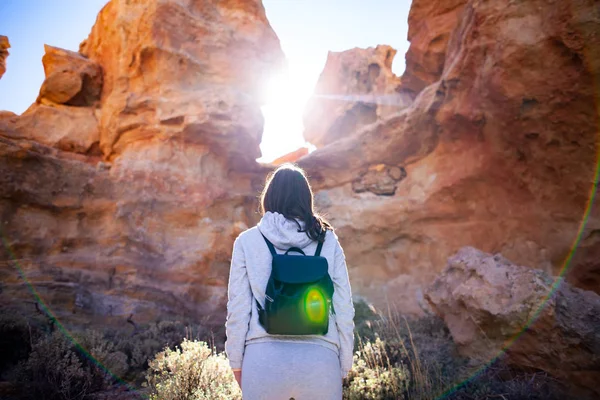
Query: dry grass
[416,359]
[388,364]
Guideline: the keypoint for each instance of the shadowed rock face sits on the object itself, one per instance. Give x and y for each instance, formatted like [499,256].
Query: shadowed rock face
[498,147]
[487,301]
[4,46]
[123,187]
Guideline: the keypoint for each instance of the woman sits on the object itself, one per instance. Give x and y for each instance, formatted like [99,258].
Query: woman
[277,366]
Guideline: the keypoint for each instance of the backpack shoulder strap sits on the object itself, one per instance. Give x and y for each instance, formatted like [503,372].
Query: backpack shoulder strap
[270,245]
[319,247]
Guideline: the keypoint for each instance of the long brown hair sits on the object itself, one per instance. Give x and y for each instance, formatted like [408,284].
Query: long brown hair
[288,193]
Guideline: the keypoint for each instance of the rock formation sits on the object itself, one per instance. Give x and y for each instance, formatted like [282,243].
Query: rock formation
[498,149]
[430,25]
[223,53]
[71,79]
[4,46]
[486,302]
[357,87]
[123,187]
[291,157]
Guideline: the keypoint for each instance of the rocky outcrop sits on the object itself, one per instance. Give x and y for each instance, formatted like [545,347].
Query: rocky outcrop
[223,53]
[291,157]
[65,113]
[4,46]
[71,79]
[73,129]
[491,305]
[499,150]
[430,26]
[123,188]
[356,88]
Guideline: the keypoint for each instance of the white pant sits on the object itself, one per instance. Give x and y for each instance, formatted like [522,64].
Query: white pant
[286,370]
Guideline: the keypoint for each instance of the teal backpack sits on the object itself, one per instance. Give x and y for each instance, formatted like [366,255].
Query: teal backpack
[298,294]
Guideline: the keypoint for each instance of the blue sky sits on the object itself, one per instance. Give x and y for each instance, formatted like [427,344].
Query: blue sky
[307,29]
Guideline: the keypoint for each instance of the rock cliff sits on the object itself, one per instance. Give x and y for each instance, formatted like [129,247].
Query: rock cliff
[123,187]
[498,149]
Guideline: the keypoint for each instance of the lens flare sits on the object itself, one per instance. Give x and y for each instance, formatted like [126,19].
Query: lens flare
[14,261]
[315,305]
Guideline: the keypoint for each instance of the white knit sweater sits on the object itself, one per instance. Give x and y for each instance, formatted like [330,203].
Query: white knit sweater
[250,270]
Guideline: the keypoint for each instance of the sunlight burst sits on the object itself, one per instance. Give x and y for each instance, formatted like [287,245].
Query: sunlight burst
[285,95]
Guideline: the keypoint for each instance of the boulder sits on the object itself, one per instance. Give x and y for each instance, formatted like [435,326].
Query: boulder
[71,78]
[491,305]
[73,129]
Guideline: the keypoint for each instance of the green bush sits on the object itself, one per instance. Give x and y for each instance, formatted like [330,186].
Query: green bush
[191,372]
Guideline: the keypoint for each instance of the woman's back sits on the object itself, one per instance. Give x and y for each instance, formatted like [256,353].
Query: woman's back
[250,271]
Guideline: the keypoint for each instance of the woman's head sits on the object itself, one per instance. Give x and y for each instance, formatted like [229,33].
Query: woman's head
[288,192]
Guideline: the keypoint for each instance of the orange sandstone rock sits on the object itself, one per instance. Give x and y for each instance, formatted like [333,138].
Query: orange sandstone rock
[430,26]
[291,157]
[356,88]
[67,128]
[4,46]
[149,230]
[71,78]
[190,72]
[499,149]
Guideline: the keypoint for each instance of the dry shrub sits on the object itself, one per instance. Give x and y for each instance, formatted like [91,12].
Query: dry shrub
[417,359]
[191,372]
[15,343]
[56,370]
[143,345]
[104,352]
[373,376]
[18,333]
[388,363]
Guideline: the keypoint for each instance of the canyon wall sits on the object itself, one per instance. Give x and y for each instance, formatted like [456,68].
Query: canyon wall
[124,185]
[498,149]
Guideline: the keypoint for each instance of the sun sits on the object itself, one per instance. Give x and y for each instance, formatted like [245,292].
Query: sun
[285,96]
